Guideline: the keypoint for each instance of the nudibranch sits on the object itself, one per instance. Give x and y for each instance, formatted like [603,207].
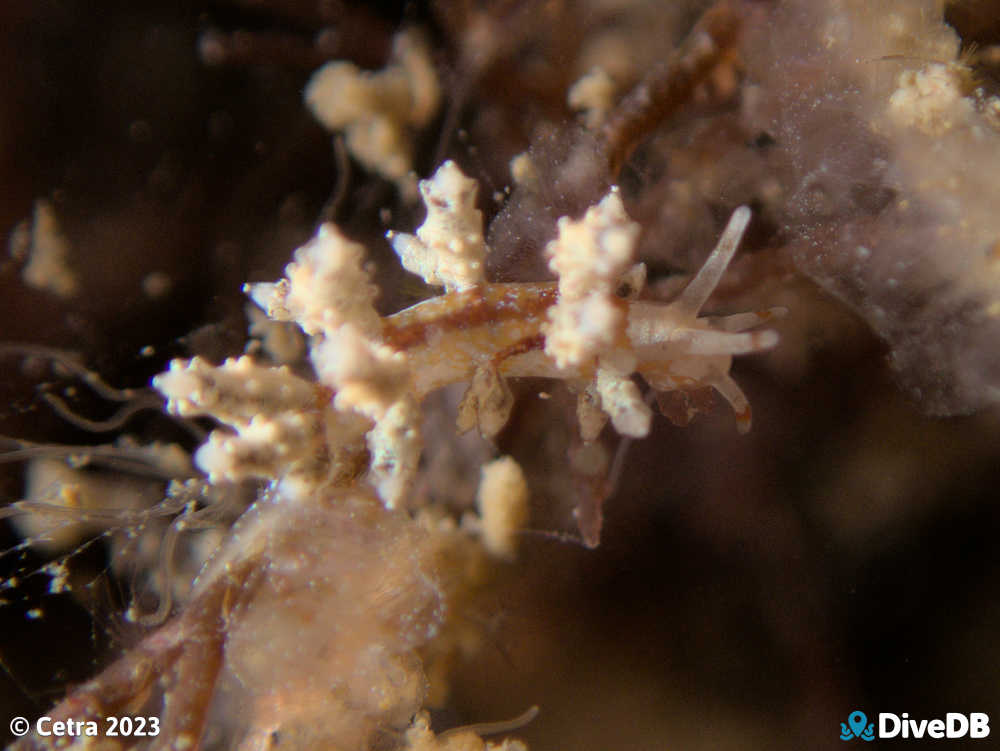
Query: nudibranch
[590,328]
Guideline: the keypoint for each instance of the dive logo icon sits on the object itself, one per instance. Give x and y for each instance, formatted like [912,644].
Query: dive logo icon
[857,726]
[952,725]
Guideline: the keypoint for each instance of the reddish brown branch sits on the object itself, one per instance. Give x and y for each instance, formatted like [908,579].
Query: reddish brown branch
[185,654]
[671,84]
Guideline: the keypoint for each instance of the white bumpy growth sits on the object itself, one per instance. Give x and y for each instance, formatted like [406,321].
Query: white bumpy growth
[448,248]
[378,110]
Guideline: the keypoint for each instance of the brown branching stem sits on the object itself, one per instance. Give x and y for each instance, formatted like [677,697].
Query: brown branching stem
[182,658]
[671,84]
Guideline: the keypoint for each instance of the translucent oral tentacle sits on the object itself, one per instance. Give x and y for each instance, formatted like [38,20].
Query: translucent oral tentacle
[705,342]
[733,394]
[698,290]
[744,321]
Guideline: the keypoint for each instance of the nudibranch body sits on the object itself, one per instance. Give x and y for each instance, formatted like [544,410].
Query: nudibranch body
[590,328]
[505,327]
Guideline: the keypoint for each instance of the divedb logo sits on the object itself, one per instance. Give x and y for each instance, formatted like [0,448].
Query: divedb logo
[954,725]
